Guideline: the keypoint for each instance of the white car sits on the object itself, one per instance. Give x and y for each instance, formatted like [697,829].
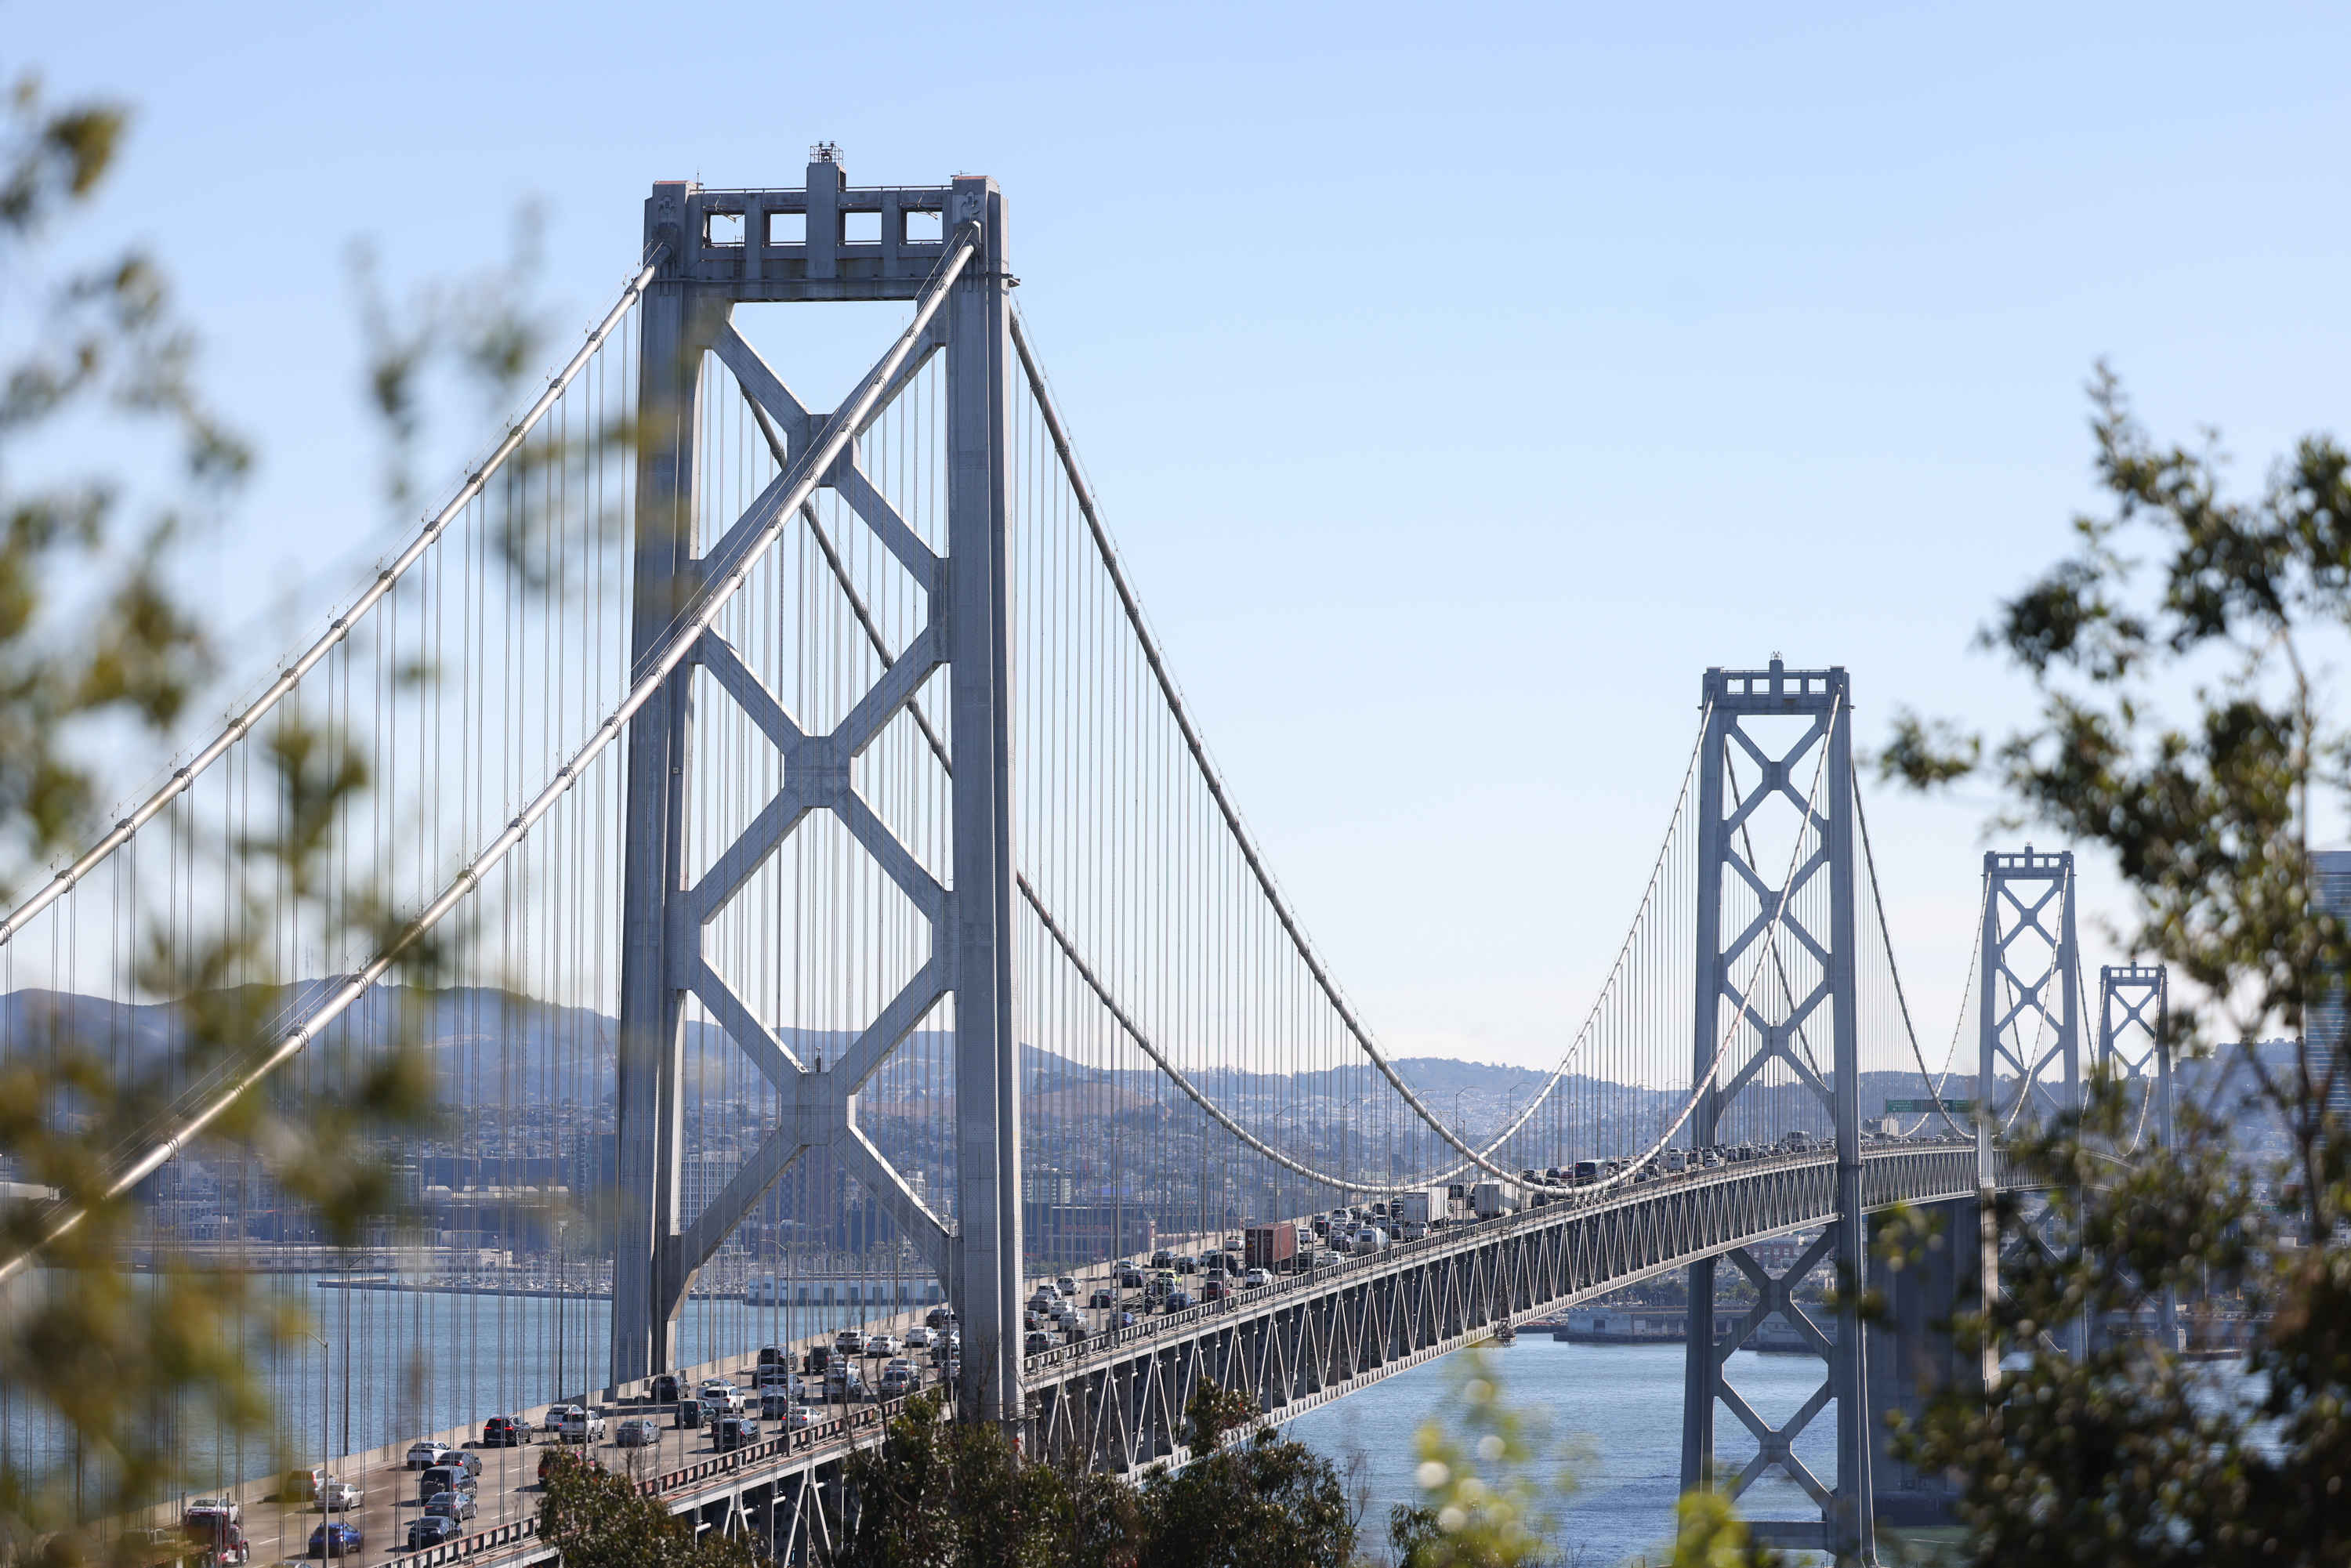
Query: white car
[882,1345]
[424,1453]
[582,1427]
[220,1504]
[918,1338]
[1255,1277]
[552,1422]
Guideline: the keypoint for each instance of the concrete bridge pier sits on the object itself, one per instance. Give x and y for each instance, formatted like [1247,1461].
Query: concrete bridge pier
[1911,1355]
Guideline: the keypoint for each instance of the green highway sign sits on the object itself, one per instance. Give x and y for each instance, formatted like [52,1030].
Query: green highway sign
[1896,1106]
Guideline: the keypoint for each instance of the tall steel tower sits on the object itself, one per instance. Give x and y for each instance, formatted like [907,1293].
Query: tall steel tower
[728,247]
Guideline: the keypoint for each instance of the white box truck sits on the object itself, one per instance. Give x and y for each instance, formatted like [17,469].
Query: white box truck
[1491,1200]
[1416,1212]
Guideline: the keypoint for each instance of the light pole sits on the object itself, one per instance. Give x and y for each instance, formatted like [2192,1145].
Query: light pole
[562,1369]
[326,1402]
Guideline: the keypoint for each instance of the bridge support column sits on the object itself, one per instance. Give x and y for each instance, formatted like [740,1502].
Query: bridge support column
[647,1286]
[980,932]
[1912,1358]
[1763,1020]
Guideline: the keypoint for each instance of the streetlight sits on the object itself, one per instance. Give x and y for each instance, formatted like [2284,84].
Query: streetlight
[561,1225]
[326,1402]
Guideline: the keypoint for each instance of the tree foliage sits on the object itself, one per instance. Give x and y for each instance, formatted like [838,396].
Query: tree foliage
[97,648]
[2118,1451]
[601,1521]
[949,1494]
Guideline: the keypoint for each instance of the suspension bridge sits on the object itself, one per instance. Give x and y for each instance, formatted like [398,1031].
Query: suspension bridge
[807,868]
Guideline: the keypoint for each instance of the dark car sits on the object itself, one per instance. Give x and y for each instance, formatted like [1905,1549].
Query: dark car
[689,1412]
[734,1432]
[456,1505]
[1214,1290]
[445,1478]
[665,1388]
[431,1530]
[1178,1300]
[938,1317]
[336,1537]
[818,1358]
[505,1432]
[771,1355]
[1103,1298]
[1038,1343]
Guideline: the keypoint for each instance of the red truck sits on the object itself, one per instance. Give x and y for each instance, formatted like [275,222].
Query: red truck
[1273,1246]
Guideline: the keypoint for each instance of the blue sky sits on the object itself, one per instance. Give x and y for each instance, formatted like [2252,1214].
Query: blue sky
[1461,382]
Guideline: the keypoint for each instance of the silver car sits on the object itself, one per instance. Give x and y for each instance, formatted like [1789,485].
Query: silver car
[637,1432]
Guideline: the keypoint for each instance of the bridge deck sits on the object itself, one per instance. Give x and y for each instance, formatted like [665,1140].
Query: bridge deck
[1117,1400]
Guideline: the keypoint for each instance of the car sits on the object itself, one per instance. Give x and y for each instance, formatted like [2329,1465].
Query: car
[849,1342]
[339,1496]
[775,1377]
[665,1388]
[551,1424]
[637,1432]
[218,1539]
[798,1419]
[583,1426]
[1104,1297]
[939,1318]
[458,1505]
[734,1432]
[918,1338]
[219,1505]
[771,1355]
[1120,1320]
[426,1452]
[1037,1343]
[1214,1290]
[1256,1278]
[446,1478]
[1177,1300]
[775,1402]
[842,1383]
[336,1537]
[818,1358]
[431,1530]
[505,1432]
[1129,1279]
[689,1413]
[882,1345]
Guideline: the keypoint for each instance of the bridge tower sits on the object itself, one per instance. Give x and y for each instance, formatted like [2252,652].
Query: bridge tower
[722,249]
[1762,750]
[2029,950]
[2134,1046]
[2134,1037]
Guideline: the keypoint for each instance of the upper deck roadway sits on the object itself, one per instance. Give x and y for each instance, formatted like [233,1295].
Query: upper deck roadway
[1116,1400]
